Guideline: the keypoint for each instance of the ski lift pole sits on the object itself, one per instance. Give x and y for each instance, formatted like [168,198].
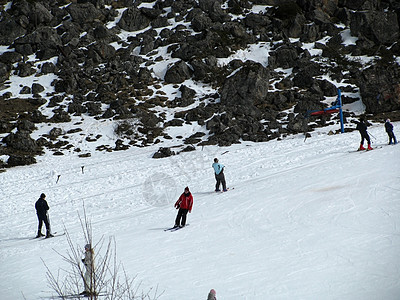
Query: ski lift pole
[339,99]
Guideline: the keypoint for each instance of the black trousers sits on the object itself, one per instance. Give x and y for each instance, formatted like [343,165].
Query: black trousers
[220,178]
[44,219]
[365,136]
[181,217]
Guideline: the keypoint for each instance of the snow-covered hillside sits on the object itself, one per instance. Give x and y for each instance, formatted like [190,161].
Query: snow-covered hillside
[307,219]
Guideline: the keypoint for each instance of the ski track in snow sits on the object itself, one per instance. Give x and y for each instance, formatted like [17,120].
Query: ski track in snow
[306,220]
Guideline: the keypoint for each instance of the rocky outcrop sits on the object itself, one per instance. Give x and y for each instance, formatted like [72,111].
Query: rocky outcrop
[21,142]
[248,86]
[133,19]
[380,89]
[177,73]
[381,27]
[106,56]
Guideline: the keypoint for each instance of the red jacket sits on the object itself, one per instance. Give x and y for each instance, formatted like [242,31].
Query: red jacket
[185,201]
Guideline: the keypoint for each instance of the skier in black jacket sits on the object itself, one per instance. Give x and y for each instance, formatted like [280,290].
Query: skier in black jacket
[41,210]
[389,131]
[362,128]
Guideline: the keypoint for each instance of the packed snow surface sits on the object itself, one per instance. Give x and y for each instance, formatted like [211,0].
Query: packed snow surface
[306,219]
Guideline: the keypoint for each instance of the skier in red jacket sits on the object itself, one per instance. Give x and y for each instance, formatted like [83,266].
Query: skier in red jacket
[184,204]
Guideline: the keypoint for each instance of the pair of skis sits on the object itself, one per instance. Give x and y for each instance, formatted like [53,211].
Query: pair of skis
[55,234]
[366,150]
[175,228]
[227,190]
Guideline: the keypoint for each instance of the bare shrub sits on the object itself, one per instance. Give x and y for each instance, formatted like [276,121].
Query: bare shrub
[108,279]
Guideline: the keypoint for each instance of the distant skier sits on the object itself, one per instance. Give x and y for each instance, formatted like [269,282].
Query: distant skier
[184,204]
[362,126]
[42,213]
[88,277]
[212,295]
[219,175]
[389,131]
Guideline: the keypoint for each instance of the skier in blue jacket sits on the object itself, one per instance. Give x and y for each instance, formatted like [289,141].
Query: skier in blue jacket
[389,131]
[219,175]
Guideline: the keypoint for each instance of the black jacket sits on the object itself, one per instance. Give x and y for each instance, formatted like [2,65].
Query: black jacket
[361,126]
[41,207]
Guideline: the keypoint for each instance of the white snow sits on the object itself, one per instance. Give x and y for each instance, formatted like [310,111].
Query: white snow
[347,38]
[16,83]
[305,220]
[256,52]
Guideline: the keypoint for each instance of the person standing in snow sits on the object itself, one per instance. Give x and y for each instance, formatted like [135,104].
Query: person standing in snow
[362,126]
[42,208]
[219,175]
[212,295]
[184,204]
[389,131]
[88,277]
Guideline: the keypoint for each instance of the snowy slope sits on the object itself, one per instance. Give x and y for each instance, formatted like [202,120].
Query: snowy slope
[305,220]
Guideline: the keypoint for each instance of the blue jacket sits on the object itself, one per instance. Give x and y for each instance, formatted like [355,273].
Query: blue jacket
[218,168]
[388,127]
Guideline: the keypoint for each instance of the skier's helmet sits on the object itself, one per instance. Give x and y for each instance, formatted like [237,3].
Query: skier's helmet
[42,195]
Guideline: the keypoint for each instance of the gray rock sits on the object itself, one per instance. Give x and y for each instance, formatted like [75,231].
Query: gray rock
[26,125]
[10,57]
[378,26]
[21,141]
[25,90]
[37,88]
[55,132]
[178,73]
[82,13]
[133,19]
[100,51]
[379,88]
[163,152]
[4,72]
[25,69]
[48,67]
[248,86]
[43,40]
[10,29]
[15,160]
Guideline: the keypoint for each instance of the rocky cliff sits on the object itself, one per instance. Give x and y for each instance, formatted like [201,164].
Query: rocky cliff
[113,59]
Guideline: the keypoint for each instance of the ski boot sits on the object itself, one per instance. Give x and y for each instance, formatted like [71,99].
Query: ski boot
[361,147]
[39,234]
[369,147]
[49,235]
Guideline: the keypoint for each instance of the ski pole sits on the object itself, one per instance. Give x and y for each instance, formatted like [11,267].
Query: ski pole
[371,135]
